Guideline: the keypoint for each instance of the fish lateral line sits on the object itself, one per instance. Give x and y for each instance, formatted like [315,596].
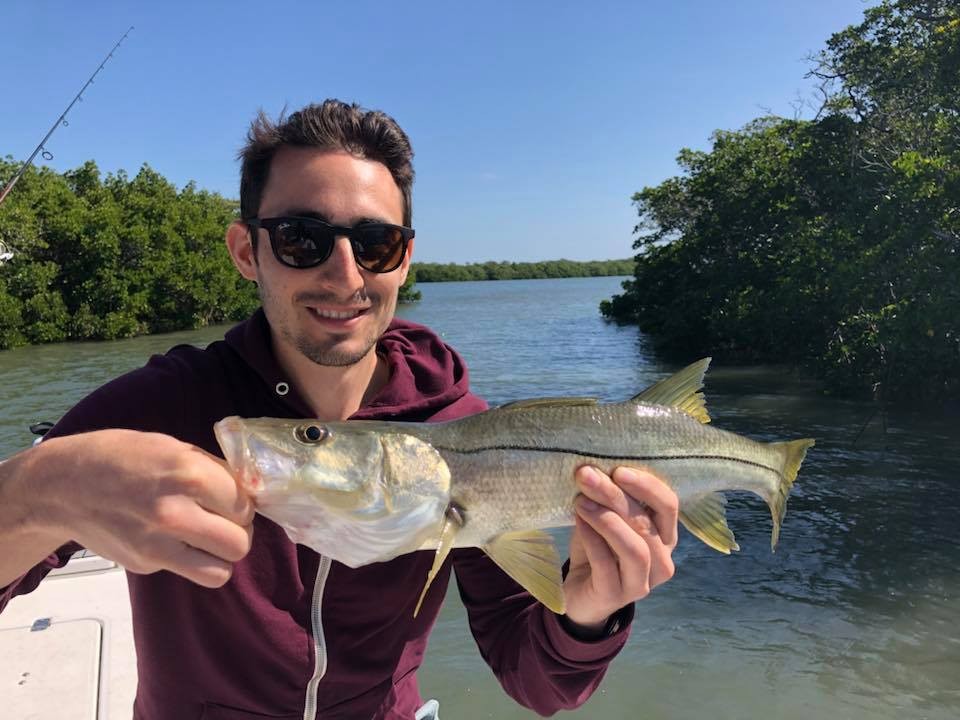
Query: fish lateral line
[601,456]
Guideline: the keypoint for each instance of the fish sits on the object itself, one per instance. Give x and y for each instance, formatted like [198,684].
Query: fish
[366,491]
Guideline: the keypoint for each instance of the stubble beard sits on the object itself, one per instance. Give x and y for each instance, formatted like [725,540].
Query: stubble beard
[329,353]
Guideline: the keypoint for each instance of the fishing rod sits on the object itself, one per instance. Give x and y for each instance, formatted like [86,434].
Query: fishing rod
[62,120]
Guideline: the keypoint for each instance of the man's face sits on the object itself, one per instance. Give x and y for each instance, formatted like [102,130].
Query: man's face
[334,313]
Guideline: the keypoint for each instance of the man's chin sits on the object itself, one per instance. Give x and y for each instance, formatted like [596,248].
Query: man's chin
[339,354]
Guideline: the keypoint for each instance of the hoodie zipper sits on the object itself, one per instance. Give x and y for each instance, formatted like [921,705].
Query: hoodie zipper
[319,644]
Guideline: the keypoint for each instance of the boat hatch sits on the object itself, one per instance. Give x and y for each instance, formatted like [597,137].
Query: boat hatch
[48,661]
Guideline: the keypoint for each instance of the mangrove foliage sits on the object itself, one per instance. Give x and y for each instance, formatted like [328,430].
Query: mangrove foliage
[86,257]
[833,242]
[446,272]
[98,258]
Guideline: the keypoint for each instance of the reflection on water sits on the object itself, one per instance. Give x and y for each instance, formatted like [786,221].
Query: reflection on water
[855,616]
[43,382]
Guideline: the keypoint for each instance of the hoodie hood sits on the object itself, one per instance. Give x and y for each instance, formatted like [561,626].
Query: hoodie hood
[428,379]
[426,374]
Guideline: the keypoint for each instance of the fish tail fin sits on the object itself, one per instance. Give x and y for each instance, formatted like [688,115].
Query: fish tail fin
[792,453]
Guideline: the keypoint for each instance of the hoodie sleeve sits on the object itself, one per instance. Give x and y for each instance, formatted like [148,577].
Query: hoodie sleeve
[536,660]
[29,581]
[144,399]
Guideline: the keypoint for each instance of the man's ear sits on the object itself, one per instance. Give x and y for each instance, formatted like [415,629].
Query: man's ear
[405,265]
[240,245]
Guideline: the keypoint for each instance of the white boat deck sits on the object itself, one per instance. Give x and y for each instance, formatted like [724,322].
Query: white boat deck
[66,649]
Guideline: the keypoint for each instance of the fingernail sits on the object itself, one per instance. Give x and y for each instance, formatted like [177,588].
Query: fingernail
[626,473]
[588,477]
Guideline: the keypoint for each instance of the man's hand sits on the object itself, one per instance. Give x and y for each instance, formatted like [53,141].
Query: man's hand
[621,547]
[145,500]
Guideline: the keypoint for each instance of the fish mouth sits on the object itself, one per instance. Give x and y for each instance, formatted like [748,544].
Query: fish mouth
[230,435]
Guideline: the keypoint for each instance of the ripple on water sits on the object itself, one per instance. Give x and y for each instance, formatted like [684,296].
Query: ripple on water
[855,616]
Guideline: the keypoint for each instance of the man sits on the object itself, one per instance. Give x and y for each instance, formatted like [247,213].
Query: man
[231,619]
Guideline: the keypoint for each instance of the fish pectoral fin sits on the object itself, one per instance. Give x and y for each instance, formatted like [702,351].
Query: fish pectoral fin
[681,390]
[706,517]
[531,558]
[450,528]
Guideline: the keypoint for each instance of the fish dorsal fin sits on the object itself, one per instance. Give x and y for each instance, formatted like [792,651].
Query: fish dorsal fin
[451,526]
[680,390]
[705,516]
[531,558]
[548,402]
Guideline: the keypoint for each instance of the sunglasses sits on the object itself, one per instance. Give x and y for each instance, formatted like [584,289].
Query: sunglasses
[302,242]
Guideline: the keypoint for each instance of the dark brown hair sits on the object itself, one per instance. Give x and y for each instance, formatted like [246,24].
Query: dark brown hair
[331,125]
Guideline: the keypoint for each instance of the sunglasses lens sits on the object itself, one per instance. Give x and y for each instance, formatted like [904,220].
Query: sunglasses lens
[305,243]
[299,245]
[378,248]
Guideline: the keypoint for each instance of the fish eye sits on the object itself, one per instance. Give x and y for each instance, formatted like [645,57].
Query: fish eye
[311,434]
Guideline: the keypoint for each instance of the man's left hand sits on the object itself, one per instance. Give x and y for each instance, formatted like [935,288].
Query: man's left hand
[621,547]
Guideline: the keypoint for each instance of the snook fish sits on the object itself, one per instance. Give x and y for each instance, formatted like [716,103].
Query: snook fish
[367,491]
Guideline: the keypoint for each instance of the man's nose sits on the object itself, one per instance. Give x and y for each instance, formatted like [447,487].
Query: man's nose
[341,267]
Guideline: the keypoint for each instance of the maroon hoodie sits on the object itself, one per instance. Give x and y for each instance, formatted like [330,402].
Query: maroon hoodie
[294,634]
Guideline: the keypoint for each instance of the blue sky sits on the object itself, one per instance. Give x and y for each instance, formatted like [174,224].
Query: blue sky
[533,123]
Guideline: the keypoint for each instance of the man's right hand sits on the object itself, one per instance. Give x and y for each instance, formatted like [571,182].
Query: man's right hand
[145,500]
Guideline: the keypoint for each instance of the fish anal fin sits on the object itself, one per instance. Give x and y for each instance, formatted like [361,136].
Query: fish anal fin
[680,390]
[531,558]
[706,518]
[451,526]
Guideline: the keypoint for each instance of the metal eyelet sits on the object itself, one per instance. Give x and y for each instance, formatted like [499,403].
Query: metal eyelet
[282,388]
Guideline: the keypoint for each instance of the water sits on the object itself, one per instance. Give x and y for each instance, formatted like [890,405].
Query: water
[857,615]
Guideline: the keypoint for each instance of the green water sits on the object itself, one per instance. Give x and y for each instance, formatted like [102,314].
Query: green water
[857,615]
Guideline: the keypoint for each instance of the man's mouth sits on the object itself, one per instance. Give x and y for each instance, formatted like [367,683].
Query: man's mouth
[337,314]
[340,315]
[336,310]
